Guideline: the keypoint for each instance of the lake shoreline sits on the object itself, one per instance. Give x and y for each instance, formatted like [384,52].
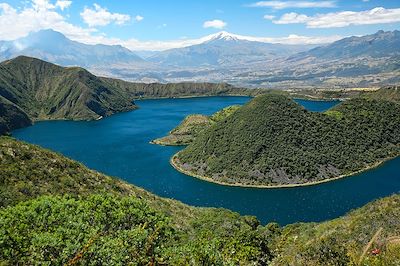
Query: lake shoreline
[175,165]
[294,96]
[155,142]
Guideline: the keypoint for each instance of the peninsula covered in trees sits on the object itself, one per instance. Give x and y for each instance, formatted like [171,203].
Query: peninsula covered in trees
[192,126]
[273,141]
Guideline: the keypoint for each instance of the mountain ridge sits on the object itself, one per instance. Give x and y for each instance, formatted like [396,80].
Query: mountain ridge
[53,46]
[222,50]
[47,91]
[374,45]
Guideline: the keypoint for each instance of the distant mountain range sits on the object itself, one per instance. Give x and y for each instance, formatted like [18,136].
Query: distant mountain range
[371,60]
[224,49]
[54,47]
[380,44]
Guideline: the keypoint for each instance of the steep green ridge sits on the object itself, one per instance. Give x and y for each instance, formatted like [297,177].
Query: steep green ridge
[192,126]
[57,212]
[184,89]
[274,141]
[11,117]
[47,91]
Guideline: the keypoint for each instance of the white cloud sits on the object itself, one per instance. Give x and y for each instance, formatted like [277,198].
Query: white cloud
[291,39]
[100,16]
[292,18]
[134,44]
[294,4]
[378,15]
[41,14]
[216,23]
[63,4]
[42,4]
[139,18]
[269,17]
[16,23]
[298,39]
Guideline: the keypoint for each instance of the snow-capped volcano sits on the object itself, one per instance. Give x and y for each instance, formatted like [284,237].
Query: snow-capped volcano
[224,49]
[224,36]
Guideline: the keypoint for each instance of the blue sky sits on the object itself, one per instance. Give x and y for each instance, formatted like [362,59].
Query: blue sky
[161,24]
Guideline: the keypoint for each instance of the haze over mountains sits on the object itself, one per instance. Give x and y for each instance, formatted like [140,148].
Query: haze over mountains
[370,60]
[54,47]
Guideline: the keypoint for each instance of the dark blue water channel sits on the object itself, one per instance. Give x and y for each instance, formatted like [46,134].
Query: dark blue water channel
[119,146]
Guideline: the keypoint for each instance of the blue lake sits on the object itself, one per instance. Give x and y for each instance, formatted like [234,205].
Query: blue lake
[119,146]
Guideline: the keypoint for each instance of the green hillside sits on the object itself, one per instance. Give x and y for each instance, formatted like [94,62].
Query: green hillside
[55,211]
[386,93]
[274,141]
[192,126]
[348,240]
[64,209]
[47,91]
[11,116]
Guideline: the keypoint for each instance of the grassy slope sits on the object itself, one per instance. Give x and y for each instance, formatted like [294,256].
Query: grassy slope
[128,224]
[191,127]
[47,91]
[273,141]
[342,241]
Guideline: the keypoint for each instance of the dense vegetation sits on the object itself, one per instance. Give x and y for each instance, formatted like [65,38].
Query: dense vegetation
[59,212]
[273,141]
[66,211]
[192,126]
[391,93]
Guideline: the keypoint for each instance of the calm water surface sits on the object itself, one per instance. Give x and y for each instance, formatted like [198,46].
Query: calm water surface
[119,146]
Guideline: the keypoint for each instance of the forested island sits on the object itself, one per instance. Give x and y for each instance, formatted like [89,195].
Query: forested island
[68,214]
[272,142]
